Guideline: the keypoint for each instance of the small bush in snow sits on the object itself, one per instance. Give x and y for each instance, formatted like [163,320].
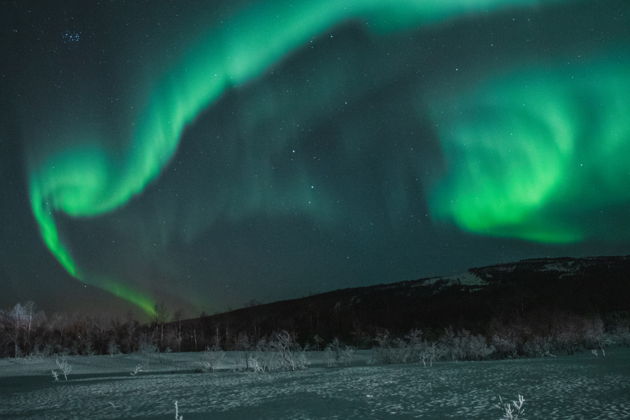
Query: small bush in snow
[149,351]
[280,352]
[413,348]
[512,410]
[387,350]
[337,353]
[505,345]
[64,367]
[538,347]
[420,350]
[462,345]
[210,359]
[136,370]
[254,364]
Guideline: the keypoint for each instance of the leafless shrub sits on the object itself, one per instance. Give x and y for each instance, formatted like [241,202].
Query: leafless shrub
[64,367]
[210,359]
[463,345]
[280,352]
[337,353]
[537,346]
[136,370]
[148,350]
[254,363]
[387,349]
[410,349]
[244,345]
[513,410]
[413,348]
[505,345]
[420,350]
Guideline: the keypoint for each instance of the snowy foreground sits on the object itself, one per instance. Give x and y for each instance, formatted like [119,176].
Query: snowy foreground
[580,386]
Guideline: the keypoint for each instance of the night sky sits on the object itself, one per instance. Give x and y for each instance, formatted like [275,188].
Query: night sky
[206,153]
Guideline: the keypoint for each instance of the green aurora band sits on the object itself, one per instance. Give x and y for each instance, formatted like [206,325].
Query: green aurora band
[91,180]
[523,149]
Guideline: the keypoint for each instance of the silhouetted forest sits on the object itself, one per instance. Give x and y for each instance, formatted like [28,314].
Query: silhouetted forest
[528,308]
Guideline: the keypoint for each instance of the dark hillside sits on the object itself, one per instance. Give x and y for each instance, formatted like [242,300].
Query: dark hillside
[535,292]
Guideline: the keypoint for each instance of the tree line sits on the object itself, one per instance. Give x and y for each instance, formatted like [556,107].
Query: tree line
[26,331]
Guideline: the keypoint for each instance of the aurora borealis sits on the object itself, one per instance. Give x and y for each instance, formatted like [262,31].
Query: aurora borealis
[526,152]
[210,154]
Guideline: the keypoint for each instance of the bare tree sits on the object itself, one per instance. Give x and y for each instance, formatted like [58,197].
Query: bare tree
[243,343]
[29,313]
[280,352]
[19,320]
[210,359]
[64,367]
[177,317]
[160,318]
[318,341]
[338,353]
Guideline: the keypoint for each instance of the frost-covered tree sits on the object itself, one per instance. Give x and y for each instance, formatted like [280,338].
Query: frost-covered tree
[338,353]
[64,367]
[19,318]
[280,351]
[160,318]
[244,345]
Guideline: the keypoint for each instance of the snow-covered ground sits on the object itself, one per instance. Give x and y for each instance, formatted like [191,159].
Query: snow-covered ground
[580,386]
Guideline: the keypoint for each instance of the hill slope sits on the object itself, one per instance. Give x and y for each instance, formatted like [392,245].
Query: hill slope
[535,292]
